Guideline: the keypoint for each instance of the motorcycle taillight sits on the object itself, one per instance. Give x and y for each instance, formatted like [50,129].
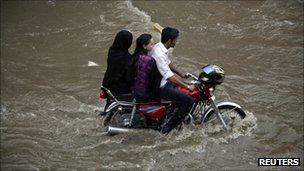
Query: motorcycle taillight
[102,94]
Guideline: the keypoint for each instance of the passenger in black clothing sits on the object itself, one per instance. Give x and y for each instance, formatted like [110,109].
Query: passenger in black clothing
[119,75]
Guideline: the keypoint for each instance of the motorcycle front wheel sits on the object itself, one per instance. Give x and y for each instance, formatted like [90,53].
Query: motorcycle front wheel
[230,114]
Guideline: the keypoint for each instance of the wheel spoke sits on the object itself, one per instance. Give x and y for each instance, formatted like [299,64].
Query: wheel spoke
[197,109]
[197,113]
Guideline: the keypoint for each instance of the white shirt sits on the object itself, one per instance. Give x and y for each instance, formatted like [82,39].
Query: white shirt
[160,54]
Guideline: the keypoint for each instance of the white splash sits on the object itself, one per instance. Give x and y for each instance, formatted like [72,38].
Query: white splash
[243,128]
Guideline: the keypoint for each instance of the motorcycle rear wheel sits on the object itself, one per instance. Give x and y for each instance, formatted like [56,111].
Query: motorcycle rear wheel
[120,119]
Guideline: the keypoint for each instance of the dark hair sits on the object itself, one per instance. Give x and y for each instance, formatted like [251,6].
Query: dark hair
[123,40]
[169,33]
[142,40]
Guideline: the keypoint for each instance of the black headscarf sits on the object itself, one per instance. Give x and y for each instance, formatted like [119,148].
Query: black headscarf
[119,75]
[123,40]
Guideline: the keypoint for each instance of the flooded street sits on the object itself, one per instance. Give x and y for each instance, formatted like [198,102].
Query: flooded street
[49,94]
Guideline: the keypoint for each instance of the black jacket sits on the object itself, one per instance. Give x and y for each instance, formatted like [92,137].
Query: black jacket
[119,75]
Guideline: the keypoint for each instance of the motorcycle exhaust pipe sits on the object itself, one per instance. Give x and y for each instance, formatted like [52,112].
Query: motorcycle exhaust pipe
[115,130]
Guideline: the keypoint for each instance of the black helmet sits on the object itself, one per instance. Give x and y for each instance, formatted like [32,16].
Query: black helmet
[212,74]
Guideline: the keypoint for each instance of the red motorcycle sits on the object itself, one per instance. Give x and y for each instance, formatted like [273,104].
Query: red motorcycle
[122,116]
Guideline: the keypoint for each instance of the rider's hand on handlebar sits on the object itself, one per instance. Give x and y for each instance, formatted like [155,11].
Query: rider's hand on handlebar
[186,75]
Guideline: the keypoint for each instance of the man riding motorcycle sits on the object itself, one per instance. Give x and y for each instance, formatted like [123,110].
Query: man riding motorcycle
[171,78]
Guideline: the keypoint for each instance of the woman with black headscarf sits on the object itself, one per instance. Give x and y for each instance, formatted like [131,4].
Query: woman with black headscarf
[119,75]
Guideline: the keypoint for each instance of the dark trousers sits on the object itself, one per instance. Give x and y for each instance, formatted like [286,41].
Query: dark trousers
[184,102]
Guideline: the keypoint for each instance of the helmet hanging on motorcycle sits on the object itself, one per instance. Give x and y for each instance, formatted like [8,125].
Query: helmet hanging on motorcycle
[212,74]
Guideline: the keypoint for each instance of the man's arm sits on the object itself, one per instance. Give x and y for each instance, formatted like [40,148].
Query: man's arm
[175,80]
[166,73]
[175,70]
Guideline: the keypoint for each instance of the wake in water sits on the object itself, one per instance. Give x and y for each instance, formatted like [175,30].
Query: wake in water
[214,133]
[188,143]
[243,127]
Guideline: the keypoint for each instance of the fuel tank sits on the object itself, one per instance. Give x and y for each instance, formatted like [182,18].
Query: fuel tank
[195,94]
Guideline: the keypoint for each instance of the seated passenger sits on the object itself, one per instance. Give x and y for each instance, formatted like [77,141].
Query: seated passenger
[147,76]
[119,76]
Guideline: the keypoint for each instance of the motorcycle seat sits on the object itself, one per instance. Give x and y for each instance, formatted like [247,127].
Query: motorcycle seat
[152,102]
[166,101]
[125,97]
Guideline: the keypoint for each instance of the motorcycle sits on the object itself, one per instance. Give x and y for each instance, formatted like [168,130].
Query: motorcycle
[124,116]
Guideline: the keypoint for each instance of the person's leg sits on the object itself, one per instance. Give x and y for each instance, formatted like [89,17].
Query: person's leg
[184,103]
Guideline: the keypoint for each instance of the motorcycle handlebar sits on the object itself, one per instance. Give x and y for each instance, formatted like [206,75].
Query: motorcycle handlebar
[192,76]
